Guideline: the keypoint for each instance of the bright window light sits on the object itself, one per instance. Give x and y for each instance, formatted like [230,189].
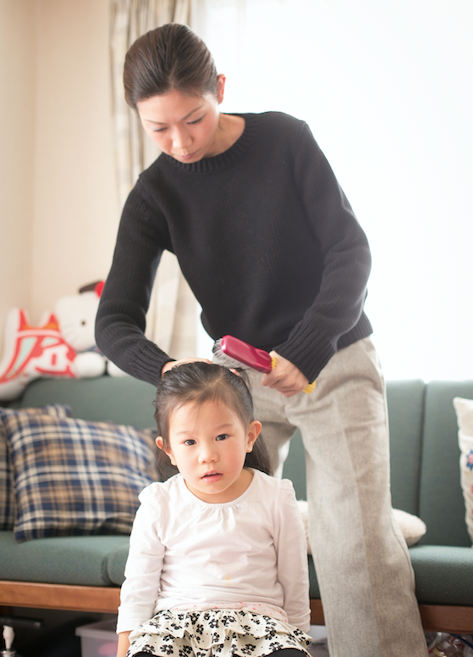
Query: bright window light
[387,89]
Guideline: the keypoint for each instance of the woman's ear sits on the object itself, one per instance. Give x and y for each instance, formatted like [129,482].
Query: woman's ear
[254,431]
[167,450]
[220,87]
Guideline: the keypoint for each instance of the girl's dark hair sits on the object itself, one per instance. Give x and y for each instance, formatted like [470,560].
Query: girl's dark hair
[169,57]
[196,383]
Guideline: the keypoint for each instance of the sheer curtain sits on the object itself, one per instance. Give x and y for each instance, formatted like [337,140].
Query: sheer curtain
[171,317]
[386,89]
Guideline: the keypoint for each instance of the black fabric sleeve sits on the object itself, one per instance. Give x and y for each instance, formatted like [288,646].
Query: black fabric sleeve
[346,257]
[121,317]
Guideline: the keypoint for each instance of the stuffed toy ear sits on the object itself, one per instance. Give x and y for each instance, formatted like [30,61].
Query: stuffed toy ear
[99,288]
[96,287]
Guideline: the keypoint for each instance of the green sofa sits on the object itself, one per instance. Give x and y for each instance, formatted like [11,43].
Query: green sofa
[84,573]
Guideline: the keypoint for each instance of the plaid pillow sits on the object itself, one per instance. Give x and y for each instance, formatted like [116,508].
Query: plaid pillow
[74,477]
[7,495]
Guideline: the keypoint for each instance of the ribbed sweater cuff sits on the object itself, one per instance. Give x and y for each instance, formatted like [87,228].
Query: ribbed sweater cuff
[311,351]
[307,350]
[148,363]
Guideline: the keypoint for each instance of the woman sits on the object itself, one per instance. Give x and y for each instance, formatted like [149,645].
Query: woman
[274,254]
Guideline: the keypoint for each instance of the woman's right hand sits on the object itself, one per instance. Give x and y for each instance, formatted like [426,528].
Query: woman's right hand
[285,377]
[175,363]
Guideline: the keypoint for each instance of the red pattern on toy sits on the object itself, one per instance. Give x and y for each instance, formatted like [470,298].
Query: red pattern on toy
[32,352]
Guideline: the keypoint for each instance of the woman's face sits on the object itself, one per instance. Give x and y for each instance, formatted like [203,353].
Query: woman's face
[184,127]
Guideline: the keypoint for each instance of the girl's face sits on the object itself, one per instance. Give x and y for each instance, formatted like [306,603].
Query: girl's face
[184,127]
[208,443]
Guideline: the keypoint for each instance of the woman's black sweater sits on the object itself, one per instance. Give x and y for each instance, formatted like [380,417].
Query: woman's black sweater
[266,240]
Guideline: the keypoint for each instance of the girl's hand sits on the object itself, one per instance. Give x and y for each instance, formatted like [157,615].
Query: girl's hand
[174,363]
[285,377]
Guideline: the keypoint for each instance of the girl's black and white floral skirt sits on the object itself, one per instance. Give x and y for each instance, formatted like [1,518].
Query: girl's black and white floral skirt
[222,632]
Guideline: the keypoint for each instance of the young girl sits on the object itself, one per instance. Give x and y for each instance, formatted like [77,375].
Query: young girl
[218,560]
[271,248]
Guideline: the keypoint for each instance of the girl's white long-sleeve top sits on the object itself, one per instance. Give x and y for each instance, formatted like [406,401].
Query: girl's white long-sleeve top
[184,551]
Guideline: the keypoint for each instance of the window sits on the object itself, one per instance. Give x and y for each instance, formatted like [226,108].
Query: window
[386,88]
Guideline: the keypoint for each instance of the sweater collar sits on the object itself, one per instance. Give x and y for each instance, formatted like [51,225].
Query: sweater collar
[223,160]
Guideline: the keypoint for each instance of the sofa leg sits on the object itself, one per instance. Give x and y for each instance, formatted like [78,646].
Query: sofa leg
[316,613]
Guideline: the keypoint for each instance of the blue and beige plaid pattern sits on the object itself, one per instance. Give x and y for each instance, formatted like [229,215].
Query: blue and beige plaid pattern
[74,477]
[7,494]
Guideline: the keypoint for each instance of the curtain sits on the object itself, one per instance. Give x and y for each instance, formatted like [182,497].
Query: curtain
[171,320]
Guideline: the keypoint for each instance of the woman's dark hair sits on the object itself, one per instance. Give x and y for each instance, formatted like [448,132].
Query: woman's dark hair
[169,57]
[196,383]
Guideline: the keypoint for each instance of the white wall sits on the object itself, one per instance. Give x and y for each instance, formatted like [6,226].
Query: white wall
[58,205]
[17,120]
[75,214]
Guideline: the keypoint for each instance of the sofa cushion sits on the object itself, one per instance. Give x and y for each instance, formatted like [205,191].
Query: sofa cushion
[405,414]
[405,404]
[116,563]
[74,477]
[7,496]
[441,504]
[464,411]
[123,400]
[444,574]
[74,560]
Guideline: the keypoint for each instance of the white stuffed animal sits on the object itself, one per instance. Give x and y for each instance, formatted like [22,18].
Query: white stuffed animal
[76,318]
[63,345]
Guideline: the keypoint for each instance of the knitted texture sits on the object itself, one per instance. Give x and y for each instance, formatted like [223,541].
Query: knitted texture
[266,239]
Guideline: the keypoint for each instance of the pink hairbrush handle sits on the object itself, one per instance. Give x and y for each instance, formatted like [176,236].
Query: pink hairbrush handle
[257,359]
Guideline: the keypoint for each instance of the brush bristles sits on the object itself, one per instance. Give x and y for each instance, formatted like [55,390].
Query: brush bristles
[226,361]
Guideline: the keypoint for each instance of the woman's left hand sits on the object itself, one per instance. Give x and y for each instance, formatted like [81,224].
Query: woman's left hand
[285,377]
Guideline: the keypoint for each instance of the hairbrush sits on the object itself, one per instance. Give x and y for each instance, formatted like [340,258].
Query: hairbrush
[234,352]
